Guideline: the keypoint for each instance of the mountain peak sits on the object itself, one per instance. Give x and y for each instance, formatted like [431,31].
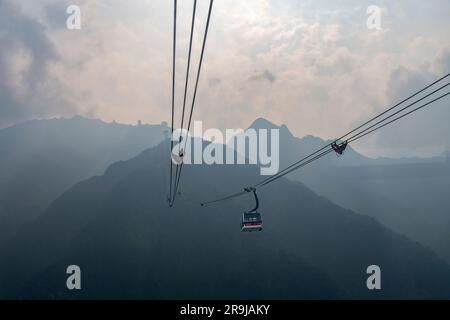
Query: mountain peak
[261,123]
[312,139]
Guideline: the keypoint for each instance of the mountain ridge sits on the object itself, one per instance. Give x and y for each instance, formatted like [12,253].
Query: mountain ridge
[42,158]
[119,228]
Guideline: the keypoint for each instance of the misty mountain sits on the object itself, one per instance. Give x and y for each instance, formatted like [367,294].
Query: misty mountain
[129,244]
[41,159]
[293,148]
[408,195]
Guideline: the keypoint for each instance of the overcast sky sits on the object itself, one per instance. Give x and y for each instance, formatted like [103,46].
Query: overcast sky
[312,65]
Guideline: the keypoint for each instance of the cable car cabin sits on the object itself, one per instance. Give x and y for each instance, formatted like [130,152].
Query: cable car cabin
[251,221]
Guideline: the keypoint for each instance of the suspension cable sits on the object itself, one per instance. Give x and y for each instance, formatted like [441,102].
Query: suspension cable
[359,127]
[302,162]
[173,95]
[195,93]
[187,78]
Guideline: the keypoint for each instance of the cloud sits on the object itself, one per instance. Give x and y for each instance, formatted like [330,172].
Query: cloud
[312,65]
[55,14]
[441,63]
[214,82]
[425,132]
[25,53]
[266,75]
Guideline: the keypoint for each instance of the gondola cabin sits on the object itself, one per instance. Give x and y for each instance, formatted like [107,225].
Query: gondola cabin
[251,221]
